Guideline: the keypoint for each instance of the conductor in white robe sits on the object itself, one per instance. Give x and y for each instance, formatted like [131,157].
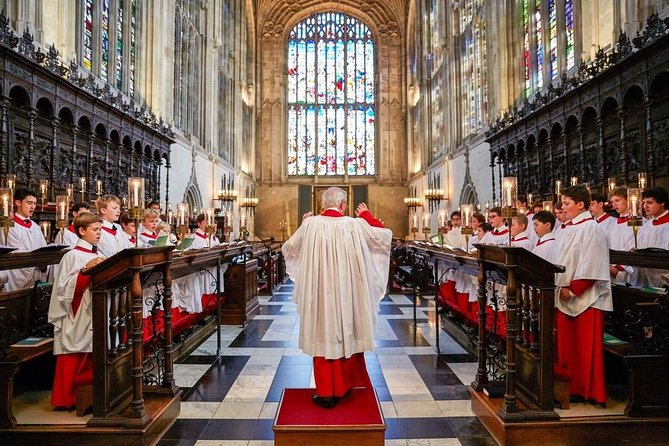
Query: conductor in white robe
[340,268]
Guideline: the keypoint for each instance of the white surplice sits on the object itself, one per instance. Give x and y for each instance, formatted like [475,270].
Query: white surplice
[111,243]
[340,269]
[522,240]
[546,248]
[72,334]
[25,239]
[582,249]
[655,234]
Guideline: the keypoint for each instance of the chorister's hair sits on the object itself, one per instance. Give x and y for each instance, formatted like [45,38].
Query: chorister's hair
[579,193]
[150,214]
[620,191]
[333,197]
[521,219]
[487,227]
[77,207]
[657,193]
[522,199]
[22,194]
[497,210]
[200,218]
[153,203]
[456,214]
[599,198]
[125,218]
[104,200]
[84,220]
[545,217]
[479,217]
[557,206]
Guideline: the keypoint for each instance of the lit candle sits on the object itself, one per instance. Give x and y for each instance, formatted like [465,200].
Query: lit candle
[228,218]
[634,214]
[574,181]
[42,188]
[642,180]
[529,201]
[135,194]
[62,215]
[243,220]
[5,205]
[170,217]
[46,229]
[414,220]
[558,188]
[98,187]
[466,214]
[82,183]
[69,192]
[426,220]
[442,218]
[11,182]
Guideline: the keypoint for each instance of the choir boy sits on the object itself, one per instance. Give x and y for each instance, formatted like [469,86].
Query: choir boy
[26,236]
[604,219]
[584,291]
[519,234]
[149,226]
[478,219]
[201,238]
[454,236]
[500,232]
[543,222]
[654,234]
[522,205]
[112,239]
[70,312]
[68,236]
[129,228]
[620,235]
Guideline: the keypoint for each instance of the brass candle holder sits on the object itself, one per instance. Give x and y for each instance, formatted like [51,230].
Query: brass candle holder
[414,231]
[467,231]
[7,211]
[635,201]
[508,212]
[6,223]
[426,231]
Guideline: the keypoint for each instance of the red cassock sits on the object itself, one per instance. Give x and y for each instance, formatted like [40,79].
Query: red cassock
[580,348]
[335,377]
[72,369]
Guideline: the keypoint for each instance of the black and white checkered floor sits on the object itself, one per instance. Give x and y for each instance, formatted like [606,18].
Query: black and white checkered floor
[231,400]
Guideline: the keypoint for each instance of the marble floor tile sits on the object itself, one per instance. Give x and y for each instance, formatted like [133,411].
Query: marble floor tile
[198,409]
[456,408]
[236,410]
[417,409]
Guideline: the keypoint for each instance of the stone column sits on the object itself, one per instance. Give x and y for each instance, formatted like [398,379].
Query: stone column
[53,162]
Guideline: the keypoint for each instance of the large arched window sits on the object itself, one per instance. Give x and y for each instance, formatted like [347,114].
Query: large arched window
[331,92]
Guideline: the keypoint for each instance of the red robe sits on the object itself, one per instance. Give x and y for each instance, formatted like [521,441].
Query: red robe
[335,377]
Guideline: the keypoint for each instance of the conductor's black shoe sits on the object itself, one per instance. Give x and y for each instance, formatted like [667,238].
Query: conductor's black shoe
[327,402]
[576,399]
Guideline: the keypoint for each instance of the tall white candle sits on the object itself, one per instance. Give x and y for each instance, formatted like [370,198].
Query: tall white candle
[135,194]
[243,217]
[426,220]
[5,206]
[634,214]
[508,195]
[61,211]
[414,221]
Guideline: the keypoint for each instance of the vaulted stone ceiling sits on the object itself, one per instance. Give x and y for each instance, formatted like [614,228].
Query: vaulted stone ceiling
[387,16]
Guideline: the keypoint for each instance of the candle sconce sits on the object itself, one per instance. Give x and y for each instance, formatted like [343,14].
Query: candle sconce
[411,201]
[210,227]
[69,192]
[635,202]
[426,225]
[62,203]
[611,184]
[7,216]
[10,183]
[434,194]
[414,225]
[82,186]
[547,206]
[135,201]
[467,211]
[573,181]
[228,226]
[250,201]
[45,227]
[43,190]
[643,180]
[227,193]
[182,217]
[98,187]
[509,197]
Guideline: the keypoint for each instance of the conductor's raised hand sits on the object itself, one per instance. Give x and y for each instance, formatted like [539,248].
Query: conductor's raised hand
[307,215]
[362,207]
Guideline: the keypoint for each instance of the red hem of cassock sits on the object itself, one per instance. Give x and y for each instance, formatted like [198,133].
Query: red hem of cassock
[335,377]
[580,351]
[72,370]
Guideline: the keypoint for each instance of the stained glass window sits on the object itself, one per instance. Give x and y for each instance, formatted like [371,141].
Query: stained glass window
[331,97]
[552,31]
[526,47]
[133,46]
[473,65]
[88,35]
[119,45]
[540,47]
[104,41]
[569,22]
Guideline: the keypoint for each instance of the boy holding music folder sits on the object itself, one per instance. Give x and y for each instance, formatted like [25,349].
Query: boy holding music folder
[70,312]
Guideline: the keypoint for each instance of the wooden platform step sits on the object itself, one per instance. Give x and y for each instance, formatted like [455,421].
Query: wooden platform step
[162,410]
[356,420]
[612,429]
